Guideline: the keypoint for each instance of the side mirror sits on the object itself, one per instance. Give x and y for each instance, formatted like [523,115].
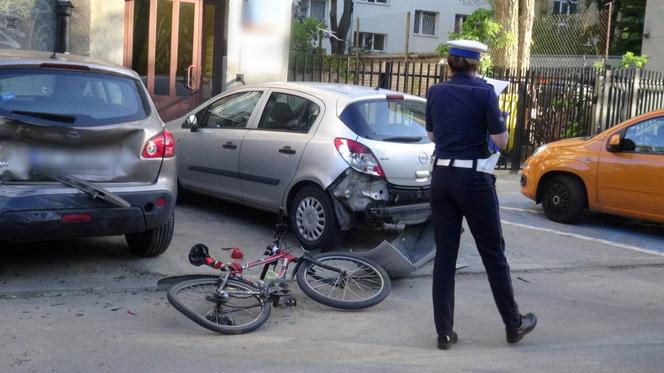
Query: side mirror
[615,143]
[191,123]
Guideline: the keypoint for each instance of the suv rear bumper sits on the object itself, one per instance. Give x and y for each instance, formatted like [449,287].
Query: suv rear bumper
[43,216]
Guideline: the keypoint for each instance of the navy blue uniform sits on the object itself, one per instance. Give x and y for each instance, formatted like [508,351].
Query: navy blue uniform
[461,113]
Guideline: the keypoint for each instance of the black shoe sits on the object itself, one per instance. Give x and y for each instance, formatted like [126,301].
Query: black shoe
[528,323]
[446,341]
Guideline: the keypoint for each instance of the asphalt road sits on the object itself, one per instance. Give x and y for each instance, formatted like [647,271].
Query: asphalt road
[88,305]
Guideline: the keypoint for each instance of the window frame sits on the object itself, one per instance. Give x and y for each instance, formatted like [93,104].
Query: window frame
[373,41]
[623,133]
[374,2]
[325,15]
[459,19]
[419,24]
[570,7]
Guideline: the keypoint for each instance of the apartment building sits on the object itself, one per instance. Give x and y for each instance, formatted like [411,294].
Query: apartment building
[383,28]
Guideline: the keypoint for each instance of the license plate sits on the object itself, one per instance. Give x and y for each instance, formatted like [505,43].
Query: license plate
[72,161]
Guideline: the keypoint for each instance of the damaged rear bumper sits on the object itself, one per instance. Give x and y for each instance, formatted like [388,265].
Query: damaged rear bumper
[359,196]
[404,214]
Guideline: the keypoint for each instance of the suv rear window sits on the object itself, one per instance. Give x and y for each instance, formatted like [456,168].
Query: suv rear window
[74,97]
[387,120]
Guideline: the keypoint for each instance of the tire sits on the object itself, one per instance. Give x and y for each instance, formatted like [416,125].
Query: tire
[153,242]
[313,219]
[192,299]
[323,285]
[563,199]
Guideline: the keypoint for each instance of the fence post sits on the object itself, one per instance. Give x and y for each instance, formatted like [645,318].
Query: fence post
[604,105]
[636,86]
[520,123]
[598,97]
[385,77]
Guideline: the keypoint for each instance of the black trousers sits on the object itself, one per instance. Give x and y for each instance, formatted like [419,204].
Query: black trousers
[455,193]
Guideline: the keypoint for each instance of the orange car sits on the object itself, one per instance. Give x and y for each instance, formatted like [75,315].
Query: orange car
[620,171]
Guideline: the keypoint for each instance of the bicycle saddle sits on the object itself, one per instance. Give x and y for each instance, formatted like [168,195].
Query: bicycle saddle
[198,254]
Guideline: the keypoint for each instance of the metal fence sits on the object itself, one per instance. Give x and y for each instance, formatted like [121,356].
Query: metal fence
[544,104]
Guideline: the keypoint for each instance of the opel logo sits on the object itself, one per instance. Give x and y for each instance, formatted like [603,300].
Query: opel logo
[423,157]
[73,135]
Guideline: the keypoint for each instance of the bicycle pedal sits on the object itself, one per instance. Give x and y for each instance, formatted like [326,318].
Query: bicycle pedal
[290,302]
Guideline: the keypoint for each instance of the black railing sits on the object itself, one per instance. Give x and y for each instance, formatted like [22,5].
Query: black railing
[545,104]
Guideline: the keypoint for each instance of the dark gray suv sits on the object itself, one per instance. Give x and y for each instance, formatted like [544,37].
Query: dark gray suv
[82,153]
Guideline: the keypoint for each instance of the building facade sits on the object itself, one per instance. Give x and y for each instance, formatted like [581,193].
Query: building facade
[653,35]
[382,23]
[184,50]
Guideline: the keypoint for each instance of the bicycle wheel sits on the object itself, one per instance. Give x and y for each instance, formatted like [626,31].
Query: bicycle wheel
[360,284]
[238,308]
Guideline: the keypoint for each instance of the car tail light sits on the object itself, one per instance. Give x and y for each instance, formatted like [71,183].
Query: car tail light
[359,157]
[394,97]
[160,146]
[76,218]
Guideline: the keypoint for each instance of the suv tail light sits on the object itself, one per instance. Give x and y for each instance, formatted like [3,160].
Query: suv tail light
[359,157]
[160,146]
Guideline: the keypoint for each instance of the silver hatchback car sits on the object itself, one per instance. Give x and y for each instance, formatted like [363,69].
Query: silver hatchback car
[329,156]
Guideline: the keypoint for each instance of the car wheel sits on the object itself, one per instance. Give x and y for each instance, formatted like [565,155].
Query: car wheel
[153,242]
[564,199]
[313,219]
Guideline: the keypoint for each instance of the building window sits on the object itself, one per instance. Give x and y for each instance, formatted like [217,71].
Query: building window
[373,1]
[425,23]
[372,42]
[565,6]
[458,22]
[317,9]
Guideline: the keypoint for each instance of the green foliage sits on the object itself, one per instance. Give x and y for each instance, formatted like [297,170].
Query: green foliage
[304,35]
[628,20]
[630,60]
[480,26]
[598,65]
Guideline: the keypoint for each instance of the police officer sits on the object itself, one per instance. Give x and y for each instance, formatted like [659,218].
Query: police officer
[461,115]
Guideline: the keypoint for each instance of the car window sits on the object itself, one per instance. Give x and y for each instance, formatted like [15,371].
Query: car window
[79,97]
[232,111]
[645,137]
[285,112]
[393,120]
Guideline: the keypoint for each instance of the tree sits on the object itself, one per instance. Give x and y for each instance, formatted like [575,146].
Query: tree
[507,14]
[479,26]
[304,35]
[526,18]
[340,28]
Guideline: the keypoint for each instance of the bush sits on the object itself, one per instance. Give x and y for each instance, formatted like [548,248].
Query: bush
[304,35]
[630,60]
[480,26]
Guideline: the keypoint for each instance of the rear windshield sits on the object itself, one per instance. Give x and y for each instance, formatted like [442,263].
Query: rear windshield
[387,120]
[80,98]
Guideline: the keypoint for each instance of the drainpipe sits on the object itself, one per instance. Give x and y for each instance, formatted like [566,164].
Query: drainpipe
[63,10]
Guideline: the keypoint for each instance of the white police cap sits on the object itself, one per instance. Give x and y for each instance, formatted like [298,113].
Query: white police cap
[467,48]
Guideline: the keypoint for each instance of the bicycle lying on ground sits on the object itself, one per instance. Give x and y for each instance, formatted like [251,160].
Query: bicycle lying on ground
[231,304]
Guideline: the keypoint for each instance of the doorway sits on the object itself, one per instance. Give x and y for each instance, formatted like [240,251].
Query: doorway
[173,46]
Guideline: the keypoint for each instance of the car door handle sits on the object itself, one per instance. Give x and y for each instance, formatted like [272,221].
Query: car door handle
[287,150]
[229,145]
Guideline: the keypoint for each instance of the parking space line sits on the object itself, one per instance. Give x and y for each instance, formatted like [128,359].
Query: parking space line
[587,238]
[520,209]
